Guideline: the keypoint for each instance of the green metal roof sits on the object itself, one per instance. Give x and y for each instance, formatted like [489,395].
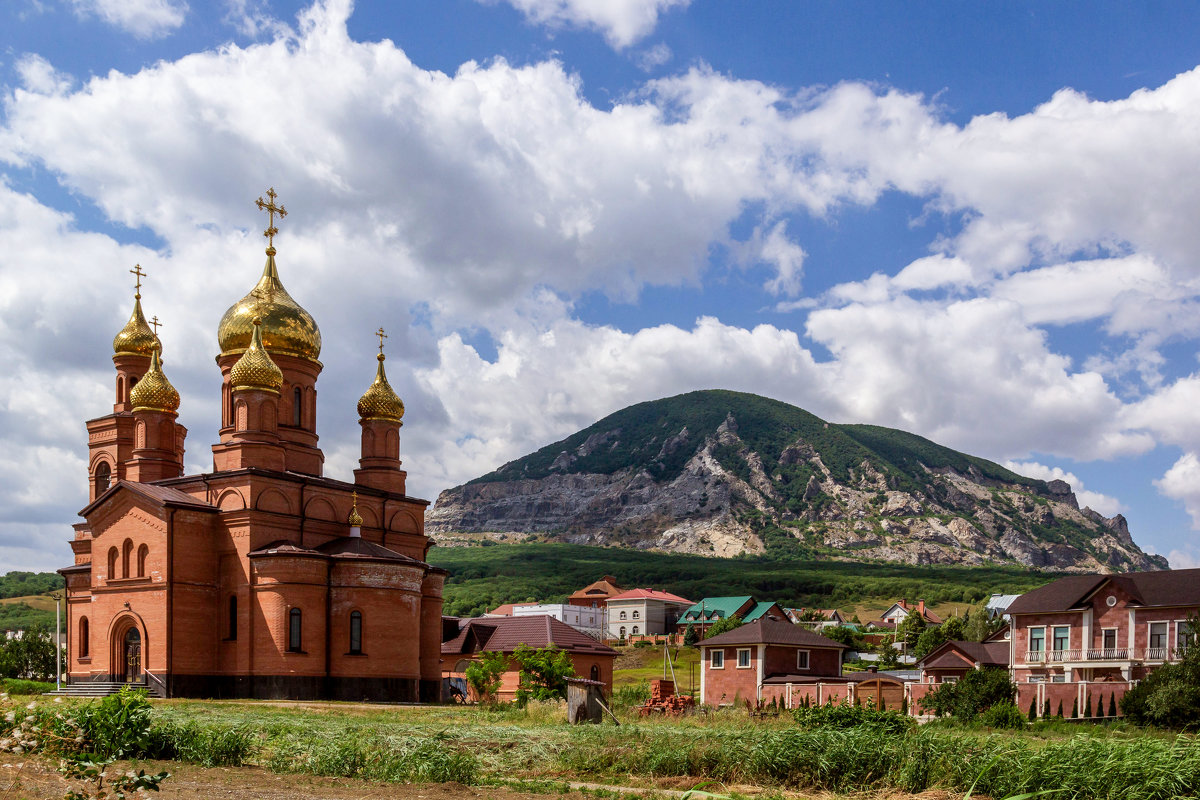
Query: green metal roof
[713,608]
[756,612]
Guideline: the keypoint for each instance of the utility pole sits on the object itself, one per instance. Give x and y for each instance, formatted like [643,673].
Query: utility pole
[57,640]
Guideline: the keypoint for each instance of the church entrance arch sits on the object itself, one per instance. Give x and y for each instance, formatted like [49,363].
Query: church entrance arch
[128,653]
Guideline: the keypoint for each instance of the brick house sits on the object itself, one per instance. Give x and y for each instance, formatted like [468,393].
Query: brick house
[1084,636]
[594,594]
[642,612]
[261,578]
[763,659]
[951,661]
[591,659]
[900,610]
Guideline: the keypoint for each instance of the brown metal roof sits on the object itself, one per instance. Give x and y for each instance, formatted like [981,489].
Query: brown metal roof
[958,653]
[160,495]
[771,631]
[505,634]
[1177,587]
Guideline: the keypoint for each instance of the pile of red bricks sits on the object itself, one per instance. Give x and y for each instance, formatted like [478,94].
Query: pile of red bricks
[663,700]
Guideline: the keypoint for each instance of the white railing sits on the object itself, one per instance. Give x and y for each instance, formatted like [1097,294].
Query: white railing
[1104,654]
[1109,654]
[1051,656]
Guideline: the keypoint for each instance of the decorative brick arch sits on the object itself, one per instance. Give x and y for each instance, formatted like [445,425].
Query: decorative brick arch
[118,652]
[231,500]
[273,500]
[322,509]
[405,522]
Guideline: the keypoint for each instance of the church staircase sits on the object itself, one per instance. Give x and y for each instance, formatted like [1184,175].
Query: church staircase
[101,689]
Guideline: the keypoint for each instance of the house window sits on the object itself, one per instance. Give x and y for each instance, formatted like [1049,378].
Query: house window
[801,659]
[1037,640]
[635,630]
[622,615]
[294,630]
[636,615]
[356,633]
[1158,636]
[83,637]
[743,658]
[717,659]
[1062,637]
[1184,638]
[622,631]
[1109,637]
[233,618]
[949,679]
[1058,677]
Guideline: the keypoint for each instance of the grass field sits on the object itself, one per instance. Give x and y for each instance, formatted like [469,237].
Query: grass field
[641,664]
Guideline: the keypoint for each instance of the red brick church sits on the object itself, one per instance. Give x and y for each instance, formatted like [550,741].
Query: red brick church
[262,578]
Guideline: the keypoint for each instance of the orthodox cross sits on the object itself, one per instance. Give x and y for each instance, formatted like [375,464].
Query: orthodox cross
[154,321]
[381,336]
[137,270]
[271,209]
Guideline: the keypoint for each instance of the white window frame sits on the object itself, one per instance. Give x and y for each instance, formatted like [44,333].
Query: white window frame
[1116,639]
[634,632]
[807,659]
[636,615]
[1178,623]
[1054,629]
[949,679]
[1029,639]
[716,658]
[749,658]
[1150,634]
[622,615]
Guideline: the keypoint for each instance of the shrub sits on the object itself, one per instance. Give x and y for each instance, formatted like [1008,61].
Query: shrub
[206,746]
[484,675]
[1004,715]
[975,693]
[544,673]
[845,715]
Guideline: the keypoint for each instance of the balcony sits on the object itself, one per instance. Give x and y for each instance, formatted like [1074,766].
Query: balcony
[1051,656]
[1104,654]
[1109,654]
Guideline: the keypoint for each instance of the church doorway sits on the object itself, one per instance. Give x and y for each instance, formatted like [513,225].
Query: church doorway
[131,651]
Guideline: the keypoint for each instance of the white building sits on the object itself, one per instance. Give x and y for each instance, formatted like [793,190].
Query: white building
[644,612]
[592,621]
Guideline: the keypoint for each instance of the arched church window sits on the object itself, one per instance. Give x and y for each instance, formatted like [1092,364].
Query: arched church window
[120,389]
[297,399]
[242,414]
[103,478]
[233,617]
[356,633]
[112,563]
[83,637]
[294,630]
[143,552]
[126,552]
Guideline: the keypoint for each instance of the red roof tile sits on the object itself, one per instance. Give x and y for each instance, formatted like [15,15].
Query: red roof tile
[650,594]
[505,634]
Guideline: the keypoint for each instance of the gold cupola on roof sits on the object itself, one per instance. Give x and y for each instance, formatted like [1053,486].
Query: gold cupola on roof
[286,327]
[136,338]
[154,392]
[380,401]
[255,369]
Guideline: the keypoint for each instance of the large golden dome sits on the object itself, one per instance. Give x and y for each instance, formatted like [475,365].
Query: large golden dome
[153,392]
[255,369]
[135,338]
[286,327]
[380,401]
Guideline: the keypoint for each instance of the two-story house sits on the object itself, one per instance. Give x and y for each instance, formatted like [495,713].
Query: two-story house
[1109,629]
[644,612]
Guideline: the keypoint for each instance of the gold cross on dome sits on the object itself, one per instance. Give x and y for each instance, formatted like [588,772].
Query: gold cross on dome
[154,321]
[381,336]
[271,209]
[137,270]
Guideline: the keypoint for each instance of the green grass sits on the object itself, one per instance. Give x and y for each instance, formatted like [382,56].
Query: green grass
[482,578]
[642,665]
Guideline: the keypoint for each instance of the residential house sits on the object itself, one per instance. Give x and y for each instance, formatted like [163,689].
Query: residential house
[642,612]
[997,605]
[952,660]
[595,594]
[702,615]
[502,610]
[592,621]
[900,610]
[592,660]
[824,617]
[1098,633]
[766,659]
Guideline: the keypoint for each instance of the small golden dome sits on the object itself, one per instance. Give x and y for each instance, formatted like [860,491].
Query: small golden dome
[154,392]
[135,338]
[355,520]
[380,401]
[255,369]
[286,327]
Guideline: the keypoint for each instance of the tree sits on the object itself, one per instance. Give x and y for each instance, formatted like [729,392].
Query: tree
[1170,696]
[974,694]
[723,625]
[909,630]
[484,675]
[544,673]
[889,658]
[690,637]
[30,656]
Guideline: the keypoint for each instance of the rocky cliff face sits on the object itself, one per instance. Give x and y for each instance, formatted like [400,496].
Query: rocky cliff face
[726,496]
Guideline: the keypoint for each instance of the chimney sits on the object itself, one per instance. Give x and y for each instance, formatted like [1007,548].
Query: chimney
[921,608]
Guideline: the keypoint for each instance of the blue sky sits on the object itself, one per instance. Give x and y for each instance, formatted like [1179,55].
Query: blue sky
[974,222]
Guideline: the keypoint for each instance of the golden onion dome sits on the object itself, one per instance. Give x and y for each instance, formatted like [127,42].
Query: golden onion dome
[380,401]
[355,519]
[153,392]
[135,338]
[255,369]
[286,327]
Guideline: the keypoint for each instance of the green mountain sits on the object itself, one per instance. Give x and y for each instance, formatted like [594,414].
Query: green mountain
[723,473]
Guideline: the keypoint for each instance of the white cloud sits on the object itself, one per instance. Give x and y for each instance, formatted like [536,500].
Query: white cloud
[145,19]
[623,22]
[38,75]
[653,57]
[788,259]
[1182,482]
[1105,504]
